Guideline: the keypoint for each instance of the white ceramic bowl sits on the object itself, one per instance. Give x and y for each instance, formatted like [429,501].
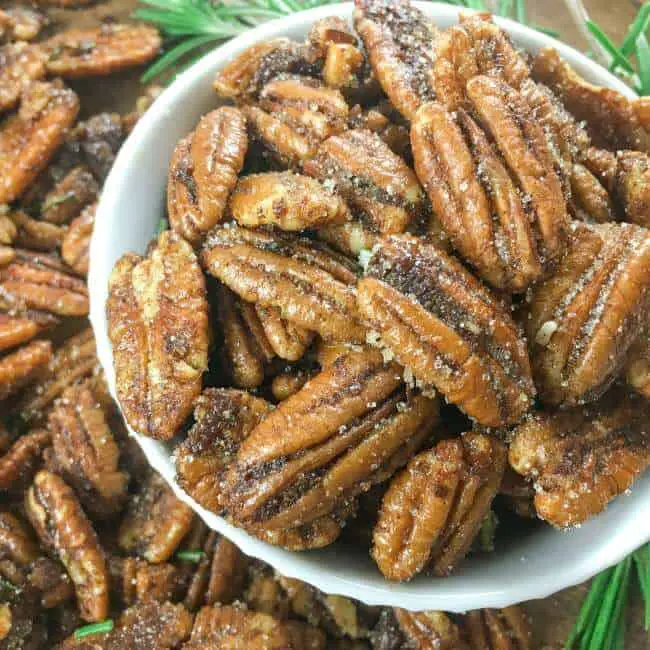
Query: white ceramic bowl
[534,565]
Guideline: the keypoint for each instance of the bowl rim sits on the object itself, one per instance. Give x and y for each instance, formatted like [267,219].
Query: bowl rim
[608,552]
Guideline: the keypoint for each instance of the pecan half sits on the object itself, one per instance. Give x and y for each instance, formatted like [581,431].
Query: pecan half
[374,181]
[29,138]
[286,200]
[17,549]
[633,186]
[69,196]
[348,428]
[63,527]
[580,459]
[582,320]
[494,629]
[434,508]
[100,51]
[310,285]
[36,235]
[22,366]
[399,40]
[203,172]
[446,327]
[20,64]
[155,522]
[158,324]
[637,369]
[224,418]
[134,580]
[76,241]
[19,463]
[264,593]
[429,630]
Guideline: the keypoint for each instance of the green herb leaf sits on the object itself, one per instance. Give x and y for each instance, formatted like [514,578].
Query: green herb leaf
[618,60]
[94,628]
[190,556]
[642,561]
[639,26]
[642,52]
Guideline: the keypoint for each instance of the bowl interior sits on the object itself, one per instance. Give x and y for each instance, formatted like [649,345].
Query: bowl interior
[528,565]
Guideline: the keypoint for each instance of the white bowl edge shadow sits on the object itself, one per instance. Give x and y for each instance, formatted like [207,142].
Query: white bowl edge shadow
[131,206]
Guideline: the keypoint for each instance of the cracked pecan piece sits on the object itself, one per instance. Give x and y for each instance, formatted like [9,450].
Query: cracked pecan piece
[134,580]
[21,23]
[502,204]
[309,285]
[20,64]
[449,331]
[496,629]
[633,186]
[434,508]
[580,459]
[286,200]
[158,325]
[203,172]
[22,366]
[29,138]
[288,383]
[288,340]
[399,40]
[582,320]
[8,230]
[100,51]
[62,526]
[84,452]
[348,428]
[20,461]
[76,241]
[637,369]
[155,522]
[349,238]
[374,181]
[429,630]
[69,196]
[223,419]
[17,549]
[52,581]
[36,235]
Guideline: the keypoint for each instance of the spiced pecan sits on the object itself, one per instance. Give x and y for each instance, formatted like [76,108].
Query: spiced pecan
[286,200]
[633,186]
[223,419]
[434,508]
[134,580]
[22,366]
[287,340]
[29,138]
[447,329]
[63,527]
[52,581]
[95,142]
[494,629]
[590,201]
[158,325]
[581,458]
[348,428]
[289,382]
[317,534]
[5,621]
[429,630]
[399,40]
[20,64]
[20,23]
[155,522]
[371,178]
[310,285]
[502,204]
[17,549]
[582,320]
[76,240]
[637,369]
[100,51]
[264,593]
[36,235]
[349,238]
[19,463]
[8,230]
[69,196]
[203,172]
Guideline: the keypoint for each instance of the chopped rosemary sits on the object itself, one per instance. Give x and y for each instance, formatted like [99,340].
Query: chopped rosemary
[94,628]
[190,556]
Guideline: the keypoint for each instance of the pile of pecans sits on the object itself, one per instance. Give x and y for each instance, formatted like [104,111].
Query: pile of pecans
[407,280]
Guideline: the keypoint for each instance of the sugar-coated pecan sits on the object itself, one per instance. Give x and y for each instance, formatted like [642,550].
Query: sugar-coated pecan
[429,630]
[447,329]
[399,39]
[22,366]
[434,508]
[8,230]
[590,201]
[637,369]
[498,629]
[264,593]
[580,459]
[317,534]
[35,234]
[583,319]
[383,120]
[289,382]
[19,462]
[17,549]
[68,197]
[309,284]
[374,181]
[42,282]
[52,581]
[286,200]
[134,580]
[633,186]
[350,238]
[158,325]
[84,451]
[224,417]
[155,522]
[20,23]
[502,204]
[348,428]
[612,119]
[288,340]
[63,527]
[20,64]
[100,51]
[76,240]
[203,172]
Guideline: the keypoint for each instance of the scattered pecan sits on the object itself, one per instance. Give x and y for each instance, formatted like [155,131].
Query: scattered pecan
[633,186]
[134,580]
[63,527]
[286,200]
[100,51]
[19,463]
[317,534]
[22,366]
[52,581]
[17,549]
[580,459]
[36,235]
[590,201]
[203,172]
[583,319]
[29,138]
[155,522]
[434,508]
[158,324]
[399,39]
[430,630]
[371,178]
[494,629]
[447,329]
[310,285]
[69,196]
[76,241]
[20,64]
[223,418]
